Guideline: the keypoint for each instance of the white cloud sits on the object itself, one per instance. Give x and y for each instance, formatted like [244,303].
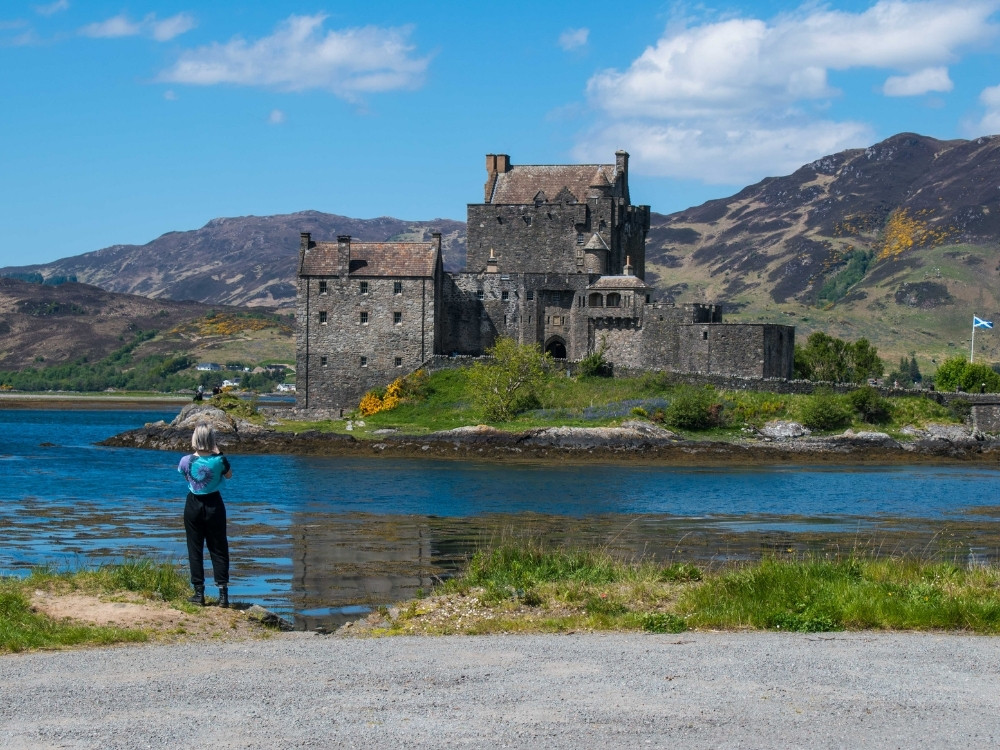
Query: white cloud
[122,26]
[574,38]
[919,83]
[732,153]
[170,95]
[300,55]
[52,8]
[113,28]
[276,117]
[168,28]
[744,92]
[990,122]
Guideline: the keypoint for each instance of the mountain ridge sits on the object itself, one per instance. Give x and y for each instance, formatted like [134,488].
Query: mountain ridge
[904,233]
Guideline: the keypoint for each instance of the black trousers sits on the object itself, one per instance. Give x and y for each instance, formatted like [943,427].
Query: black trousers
[205,523]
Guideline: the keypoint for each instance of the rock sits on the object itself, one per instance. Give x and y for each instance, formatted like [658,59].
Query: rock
[268,618]
[782,430]
[952,432]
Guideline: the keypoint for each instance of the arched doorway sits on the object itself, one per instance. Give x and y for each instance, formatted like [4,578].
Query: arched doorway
[556,347]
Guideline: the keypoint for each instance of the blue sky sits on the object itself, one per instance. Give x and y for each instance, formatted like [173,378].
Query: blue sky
[124,120]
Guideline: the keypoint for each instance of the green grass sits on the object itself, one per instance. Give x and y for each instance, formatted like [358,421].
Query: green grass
[522,586]
[21,628]
[597,402]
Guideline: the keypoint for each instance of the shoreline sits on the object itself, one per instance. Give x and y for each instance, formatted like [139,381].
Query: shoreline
[86,400]
[580,445]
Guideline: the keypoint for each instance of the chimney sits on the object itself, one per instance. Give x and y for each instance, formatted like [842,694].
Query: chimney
[503,163]
[343,255]
[628,265]
[491,263]
[305,242]
[436,239]
[621,170]
[491,177]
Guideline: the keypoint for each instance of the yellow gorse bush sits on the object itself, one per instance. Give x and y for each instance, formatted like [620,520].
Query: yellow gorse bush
[409,387]
[903,232]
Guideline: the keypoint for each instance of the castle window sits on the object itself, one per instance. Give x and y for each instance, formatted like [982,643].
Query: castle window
[364,361]
[480,294]
[602,225]
[505,295]
[399,361]
[363,287]
[704,335]
[531,295]
[397,287]
[596,300]
[647,299]
[322,287]
[322,361]
[614,300]
[397,318]
[322,317]
[580,240]
[363,319]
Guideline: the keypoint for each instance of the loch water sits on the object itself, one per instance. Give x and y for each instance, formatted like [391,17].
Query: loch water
[323,540]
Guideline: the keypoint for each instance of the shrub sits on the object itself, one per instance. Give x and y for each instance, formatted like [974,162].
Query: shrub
[825,410]
[595,364]
[507,386]
[693,408]
[869,405]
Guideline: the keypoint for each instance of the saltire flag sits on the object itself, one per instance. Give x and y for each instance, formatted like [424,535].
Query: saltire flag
[980,323]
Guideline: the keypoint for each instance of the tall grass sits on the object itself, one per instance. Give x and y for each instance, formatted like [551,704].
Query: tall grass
[568,588]
[21,627]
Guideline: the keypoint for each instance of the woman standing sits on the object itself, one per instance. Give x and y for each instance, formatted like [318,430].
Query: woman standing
[205,513]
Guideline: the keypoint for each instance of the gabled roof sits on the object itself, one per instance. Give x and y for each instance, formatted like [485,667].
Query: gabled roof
[619,282]
[409,259]
[521,184]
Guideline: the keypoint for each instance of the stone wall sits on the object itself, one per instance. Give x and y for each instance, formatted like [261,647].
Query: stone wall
[360,346]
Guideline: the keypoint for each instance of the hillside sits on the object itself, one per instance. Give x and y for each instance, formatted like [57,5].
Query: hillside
[246,261]
[896,242]
[42,326]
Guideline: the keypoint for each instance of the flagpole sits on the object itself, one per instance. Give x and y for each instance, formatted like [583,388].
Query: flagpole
[972,351]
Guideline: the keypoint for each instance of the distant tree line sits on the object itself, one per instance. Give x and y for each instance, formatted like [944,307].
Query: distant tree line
[37,278]
[121,371]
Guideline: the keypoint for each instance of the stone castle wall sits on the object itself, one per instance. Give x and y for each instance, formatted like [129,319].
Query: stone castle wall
[340,360]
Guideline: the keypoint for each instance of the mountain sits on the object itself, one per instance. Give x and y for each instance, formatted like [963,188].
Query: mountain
[42,325]
[896,242]
[248,260]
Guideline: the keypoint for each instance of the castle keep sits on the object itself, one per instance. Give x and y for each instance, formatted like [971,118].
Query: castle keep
[555,257]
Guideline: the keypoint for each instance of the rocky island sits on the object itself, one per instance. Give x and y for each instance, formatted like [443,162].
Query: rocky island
[632,441]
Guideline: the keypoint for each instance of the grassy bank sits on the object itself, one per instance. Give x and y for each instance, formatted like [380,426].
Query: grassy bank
[523,587]
[446,401]
[22,627]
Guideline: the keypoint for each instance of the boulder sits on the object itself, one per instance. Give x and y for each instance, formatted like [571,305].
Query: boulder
[783,430]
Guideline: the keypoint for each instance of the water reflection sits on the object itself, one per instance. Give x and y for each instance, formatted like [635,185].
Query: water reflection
[327,539]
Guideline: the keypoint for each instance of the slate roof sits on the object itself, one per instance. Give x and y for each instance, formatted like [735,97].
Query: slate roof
[522,183]
[619,282]
[409,259]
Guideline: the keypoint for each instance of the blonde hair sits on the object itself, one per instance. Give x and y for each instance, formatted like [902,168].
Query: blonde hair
[203,438]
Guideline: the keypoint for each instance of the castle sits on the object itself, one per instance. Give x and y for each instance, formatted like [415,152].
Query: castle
[555,257]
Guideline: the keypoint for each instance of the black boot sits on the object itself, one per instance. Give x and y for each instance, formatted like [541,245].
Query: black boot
[223,596]
[198,597]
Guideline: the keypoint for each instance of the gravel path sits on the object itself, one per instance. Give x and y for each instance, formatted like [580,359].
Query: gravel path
[695,690]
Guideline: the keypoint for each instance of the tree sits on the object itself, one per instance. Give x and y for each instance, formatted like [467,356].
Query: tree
[958,372]
[835,360]
[506,386]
